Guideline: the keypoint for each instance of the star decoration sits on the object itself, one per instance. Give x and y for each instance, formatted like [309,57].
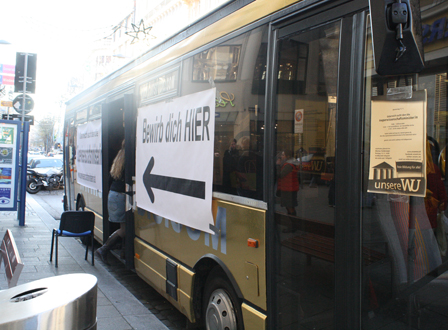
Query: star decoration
[140,32]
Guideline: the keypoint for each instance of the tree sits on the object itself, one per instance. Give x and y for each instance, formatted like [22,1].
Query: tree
[44,132]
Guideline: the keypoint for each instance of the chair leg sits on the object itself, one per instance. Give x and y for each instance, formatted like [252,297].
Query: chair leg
[52,244]
[57,244]
[87,250]
[93,250]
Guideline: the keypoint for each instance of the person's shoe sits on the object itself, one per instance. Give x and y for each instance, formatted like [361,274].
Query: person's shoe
[102,254]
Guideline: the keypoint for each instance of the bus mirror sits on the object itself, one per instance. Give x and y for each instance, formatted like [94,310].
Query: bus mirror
[397,36]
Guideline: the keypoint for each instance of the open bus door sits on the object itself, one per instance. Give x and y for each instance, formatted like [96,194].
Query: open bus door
[130,117]
[112,136]
[119,124]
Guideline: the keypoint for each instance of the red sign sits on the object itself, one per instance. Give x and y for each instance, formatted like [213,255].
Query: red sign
[6,80]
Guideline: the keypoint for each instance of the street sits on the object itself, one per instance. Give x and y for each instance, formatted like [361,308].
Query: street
[51,201]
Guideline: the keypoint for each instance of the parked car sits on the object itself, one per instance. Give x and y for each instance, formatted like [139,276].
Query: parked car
[43,164]
[32,155]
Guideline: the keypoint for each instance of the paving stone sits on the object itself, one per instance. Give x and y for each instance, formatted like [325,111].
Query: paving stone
[117,308]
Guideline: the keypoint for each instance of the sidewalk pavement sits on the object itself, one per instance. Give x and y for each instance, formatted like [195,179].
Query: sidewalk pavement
[117,308]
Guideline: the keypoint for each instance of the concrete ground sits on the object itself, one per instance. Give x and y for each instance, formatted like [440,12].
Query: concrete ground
[117,307]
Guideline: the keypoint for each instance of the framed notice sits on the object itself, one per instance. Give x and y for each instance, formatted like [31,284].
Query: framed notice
[9,164]
[398,146]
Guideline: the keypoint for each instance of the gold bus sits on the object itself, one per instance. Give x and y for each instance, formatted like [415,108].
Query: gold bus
[327,180]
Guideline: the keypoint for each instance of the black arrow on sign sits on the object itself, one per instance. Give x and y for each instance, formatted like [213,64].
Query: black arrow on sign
[175,185]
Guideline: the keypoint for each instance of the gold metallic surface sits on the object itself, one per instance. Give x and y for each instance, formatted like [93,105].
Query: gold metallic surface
[185,280]
[185,305]
[253,319]
[252,286]
[98,230]
[151,257]
[151,266]
[189,246]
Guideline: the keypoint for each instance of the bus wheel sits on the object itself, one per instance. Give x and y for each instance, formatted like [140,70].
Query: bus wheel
[222,310]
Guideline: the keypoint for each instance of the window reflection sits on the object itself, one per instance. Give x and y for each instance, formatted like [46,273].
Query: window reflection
[233,68]
[305,163]
[404,267]
[218,63]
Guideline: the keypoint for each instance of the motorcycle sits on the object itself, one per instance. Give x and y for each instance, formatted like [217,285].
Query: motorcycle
[53,179]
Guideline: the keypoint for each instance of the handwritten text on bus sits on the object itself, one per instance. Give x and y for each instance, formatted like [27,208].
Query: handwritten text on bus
[194,126]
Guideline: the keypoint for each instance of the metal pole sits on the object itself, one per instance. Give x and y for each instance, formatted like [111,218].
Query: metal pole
[25,78]
[24,156]
[23,172]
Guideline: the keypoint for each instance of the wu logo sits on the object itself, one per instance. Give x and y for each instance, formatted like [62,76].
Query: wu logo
[317,166]
[411,185]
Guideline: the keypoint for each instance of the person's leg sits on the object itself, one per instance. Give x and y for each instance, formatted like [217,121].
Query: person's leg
[111,242]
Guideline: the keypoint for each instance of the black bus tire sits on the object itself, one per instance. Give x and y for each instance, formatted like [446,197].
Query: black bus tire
[221,307]
[31,186]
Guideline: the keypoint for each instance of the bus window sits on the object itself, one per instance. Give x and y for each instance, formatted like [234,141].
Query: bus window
[307,72]
[81,116]
[234,69]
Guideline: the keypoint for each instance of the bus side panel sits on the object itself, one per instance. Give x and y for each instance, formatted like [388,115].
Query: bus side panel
[151,266]
[253,319]
[98,230]
[185,292]
[235,224]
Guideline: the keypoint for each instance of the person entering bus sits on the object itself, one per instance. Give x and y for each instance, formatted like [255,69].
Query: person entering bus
[116,202]
[287,186]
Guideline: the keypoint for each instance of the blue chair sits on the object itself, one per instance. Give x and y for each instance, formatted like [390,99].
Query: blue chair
[75,224]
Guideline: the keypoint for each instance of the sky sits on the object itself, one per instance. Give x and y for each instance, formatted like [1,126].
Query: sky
[60,32]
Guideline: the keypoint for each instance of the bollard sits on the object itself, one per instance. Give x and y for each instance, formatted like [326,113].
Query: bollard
[61,302]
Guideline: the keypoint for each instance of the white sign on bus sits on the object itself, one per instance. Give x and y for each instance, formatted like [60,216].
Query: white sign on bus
[174,162]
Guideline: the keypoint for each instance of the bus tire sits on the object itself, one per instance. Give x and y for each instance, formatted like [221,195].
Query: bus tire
[221,307]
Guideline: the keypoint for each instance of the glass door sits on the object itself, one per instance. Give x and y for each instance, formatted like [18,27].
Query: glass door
[404,277]
[304,149]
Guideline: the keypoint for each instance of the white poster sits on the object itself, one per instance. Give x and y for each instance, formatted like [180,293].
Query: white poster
[174,159]
[398,146]
[88,155]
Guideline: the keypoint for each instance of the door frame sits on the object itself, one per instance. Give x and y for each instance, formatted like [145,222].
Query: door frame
[349,131]
[130,124]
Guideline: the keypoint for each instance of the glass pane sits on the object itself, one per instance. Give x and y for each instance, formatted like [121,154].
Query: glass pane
[305,153]
[238,71]
[404,280]
[217,63]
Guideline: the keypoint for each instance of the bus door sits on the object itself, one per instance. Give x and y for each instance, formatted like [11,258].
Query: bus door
[311,170]
[130,121]
[404,142]
[112,137]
